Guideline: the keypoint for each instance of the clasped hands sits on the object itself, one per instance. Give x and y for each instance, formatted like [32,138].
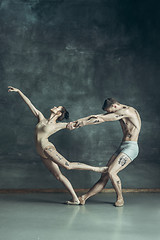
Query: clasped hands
[73,125]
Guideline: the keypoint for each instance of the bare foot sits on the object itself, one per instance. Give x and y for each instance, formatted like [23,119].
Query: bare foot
[82,200]
[119,203]
[77,202]
[102,169]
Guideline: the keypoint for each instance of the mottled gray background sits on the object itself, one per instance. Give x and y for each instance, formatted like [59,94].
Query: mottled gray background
[76,53]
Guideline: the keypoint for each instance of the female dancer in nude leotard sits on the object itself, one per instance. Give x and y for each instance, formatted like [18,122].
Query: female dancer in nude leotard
[51,158]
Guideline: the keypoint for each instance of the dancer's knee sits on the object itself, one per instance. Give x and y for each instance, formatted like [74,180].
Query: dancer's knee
[111,174]
[59,177]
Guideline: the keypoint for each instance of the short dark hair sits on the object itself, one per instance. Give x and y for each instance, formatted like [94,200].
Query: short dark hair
[65,114]
[108,103]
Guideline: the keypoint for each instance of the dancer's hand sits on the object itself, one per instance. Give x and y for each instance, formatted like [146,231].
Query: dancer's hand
[12,89]
[71,125]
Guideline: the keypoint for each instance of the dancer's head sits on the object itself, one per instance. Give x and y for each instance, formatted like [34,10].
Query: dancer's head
[61,112]
[110,105]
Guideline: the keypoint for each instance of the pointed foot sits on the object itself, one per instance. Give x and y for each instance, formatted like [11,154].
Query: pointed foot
[73,202]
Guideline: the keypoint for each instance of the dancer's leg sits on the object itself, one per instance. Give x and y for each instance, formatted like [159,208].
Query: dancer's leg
[120,162]
[54,169]
[98,187]
[56,157]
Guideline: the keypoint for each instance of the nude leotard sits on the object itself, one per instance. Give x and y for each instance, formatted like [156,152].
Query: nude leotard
[42,132]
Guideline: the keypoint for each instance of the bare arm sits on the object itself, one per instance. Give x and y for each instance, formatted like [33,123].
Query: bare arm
[100,118]
[92,119]
[61,125]
[35,111]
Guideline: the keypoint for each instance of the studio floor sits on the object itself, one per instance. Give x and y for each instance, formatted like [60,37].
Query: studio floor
[44,216]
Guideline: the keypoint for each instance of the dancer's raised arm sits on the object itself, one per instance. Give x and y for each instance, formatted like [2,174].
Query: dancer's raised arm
[34,110]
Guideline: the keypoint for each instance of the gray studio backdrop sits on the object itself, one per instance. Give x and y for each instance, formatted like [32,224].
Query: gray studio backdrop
[76,53]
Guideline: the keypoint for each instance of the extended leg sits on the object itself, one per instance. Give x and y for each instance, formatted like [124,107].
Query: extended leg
[52,154]
[54,169]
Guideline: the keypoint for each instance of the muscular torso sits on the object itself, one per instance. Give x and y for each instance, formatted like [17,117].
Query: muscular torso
[43,130]
[131,125]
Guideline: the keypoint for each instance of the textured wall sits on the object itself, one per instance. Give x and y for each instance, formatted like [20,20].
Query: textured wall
[76,53]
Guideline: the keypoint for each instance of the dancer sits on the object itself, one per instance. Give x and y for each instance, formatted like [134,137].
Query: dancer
[51,158]
[128,150]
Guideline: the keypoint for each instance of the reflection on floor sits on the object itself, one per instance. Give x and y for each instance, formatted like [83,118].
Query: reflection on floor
[44,216]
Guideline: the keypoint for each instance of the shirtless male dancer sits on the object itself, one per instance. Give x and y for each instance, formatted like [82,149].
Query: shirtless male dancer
[51,158]
[128,150]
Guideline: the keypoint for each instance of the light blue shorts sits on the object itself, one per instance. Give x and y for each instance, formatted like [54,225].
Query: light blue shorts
[130,148]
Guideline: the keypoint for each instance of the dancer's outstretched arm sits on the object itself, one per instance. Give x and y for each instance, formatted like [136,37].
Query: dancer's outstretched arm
[97,119]
[34,110]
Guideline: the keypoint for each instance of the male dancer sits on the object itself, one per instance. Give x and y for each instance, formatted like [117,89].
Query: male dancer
[128,150]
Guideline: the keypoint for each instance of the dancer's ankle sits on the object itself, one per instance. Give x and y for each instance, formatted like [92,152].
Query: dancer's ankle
[119,198]
[82,200]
